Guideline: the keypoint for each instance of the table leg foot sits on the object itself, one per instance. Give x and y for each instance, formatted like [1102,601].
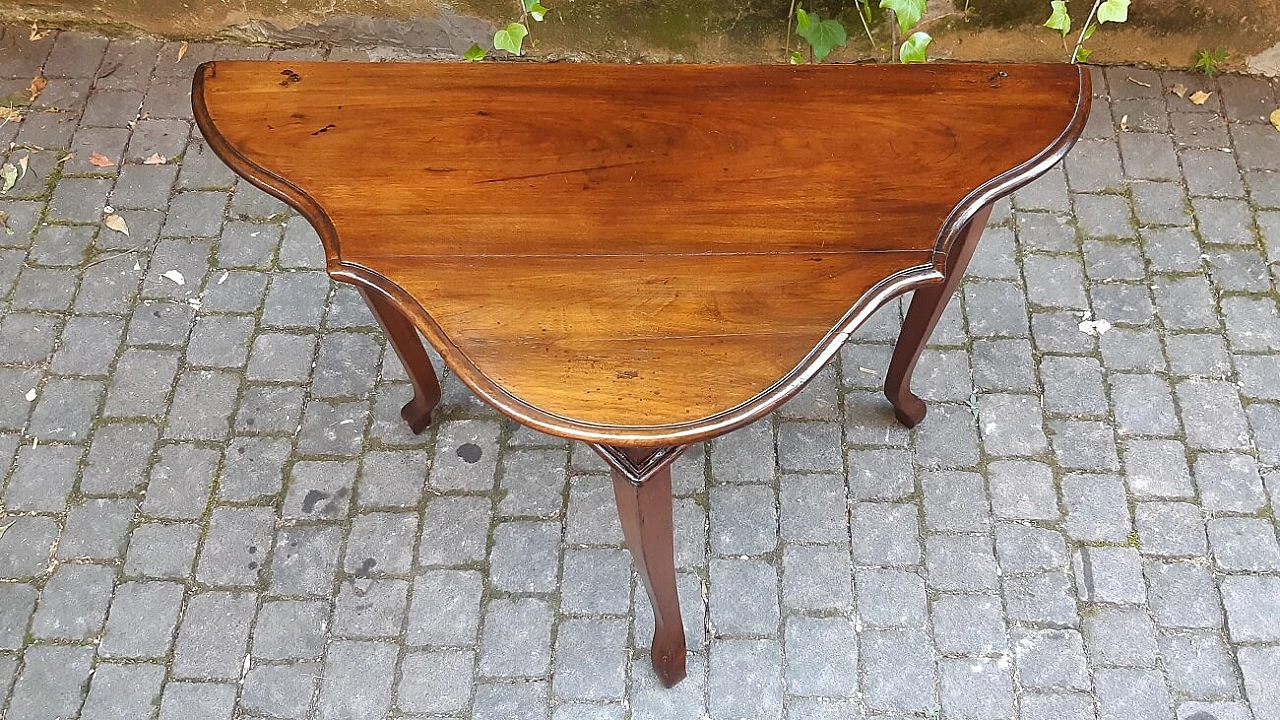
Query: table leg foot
[645,512]
[403,337]
[927,306]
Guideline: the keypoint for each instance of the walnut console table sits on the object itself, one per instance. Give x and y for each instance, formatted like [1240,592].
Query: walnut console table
[642,257]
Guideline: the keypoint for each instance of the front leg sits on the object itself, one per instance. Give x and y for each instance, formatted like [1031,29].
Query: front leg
[403,336]
[644,507]
[927,306]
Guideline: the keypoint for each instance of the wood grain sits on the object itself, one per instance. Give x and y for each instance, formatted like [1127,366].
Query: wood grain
[638,255]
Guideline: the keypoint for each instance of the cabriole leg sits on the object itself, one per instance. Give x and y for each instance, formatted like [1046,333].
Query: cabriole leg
[927,306]
[404,338]
[645,511]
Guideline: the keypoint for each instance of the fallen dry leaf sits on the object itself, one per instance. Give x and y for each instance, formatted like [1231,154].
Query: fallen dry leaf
[1138,82]
[1094,327]
[7,113]
[1124,124]
[37,34]
[182,52]
[22,166]
[155,159]
[8,177]
[1180,90]
[4,223]
[1275,118]
[31,395]
[117,223]
[1199,97]
[36,87]
[99,160]
[175,276]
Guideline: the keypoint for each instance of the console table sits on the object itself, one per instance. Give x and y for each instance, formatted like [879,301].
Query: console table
[642,257]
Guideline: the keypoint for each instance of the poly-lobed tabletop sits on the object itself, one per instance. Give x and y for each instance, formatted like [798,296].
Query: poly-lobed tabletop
[637,254]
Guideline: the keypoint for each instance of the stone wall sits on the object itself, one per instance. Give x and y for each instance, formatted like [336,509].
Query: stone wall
[1160,32]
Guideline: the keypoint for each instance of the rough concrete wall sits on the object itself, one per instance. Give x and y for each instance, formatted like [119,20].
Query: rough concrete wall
[1160,32]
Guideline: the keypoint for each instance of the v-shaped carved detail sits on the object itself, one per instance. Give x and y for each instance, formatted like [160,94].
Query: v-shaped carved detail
[637,472]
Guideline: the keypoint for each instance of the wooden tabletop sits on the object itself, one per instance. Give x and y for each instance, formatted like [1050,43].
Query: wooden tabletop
[638,254]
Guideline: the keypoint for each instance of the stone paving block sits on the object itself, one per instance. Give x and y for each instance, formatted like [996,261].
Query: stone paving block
[812,509]
[596,581]
[1022,489]
[43,289]
[948,436]
[370,608]
[517,639]
[1136,694]
[1051,659]
[591,518]
[333,427]
[746,679]
[808,447]
[213,636]
[391,479]
[1157,469]
[693,593]
[1260,666]
[1256,372]
[995,308]
[42,478]
[1047,599]
[1012,424]
[1094,166]
[270,408]
[73,603]
[899,674]
[1264,420]
[945,375]
[1182,595]
[1160,203]
[234,291]
[818,399]
[1110,575]
[534,482]
[1240,271]
[1185,303]
[52,681]
[1244,544]
[1097,508]
[290,630]
[1199,665]
[496,701]
[319,489]
[961,563]
[1251,323]
[744,520]
[1170,528]
[220,341]
[1211,172]
[466,457]
[300,246]
[1047,192]
[885,534]
[744,598]
[357,682]
[180,482]
[120,691]
[1024,548]
[140,384]
[160,323]
[1253,607]
[87,346]
[976,688]
[305,560]
[821,655]
[60,245]
[1149,156]
[1123,303]
[968,625]
[1198,355]
[235,546]
[591,659]
[1120,637]
[249,202]
[65,409]
[1001,365]
[1107,260]
[649,700]
[381,544]
[142,619]
[1061,706]
[199,699]
[435,681]
[1229,482]
[816,578]
[1084,445]
[253,469]
[891,598]
[17,603]
[445,608]
[955,501]
[282,691]
[1143,405]
[525,556]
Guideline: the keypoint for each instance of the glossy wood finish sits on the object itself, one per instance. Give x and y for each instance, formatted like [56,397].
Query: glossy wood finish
[414,358]
[645,511]
[638,256]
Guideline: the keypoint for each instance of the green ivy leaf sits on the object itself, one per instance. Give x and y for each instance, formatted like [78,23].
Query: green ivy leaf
[510,38]
[1113,11]
[909,12]
[1082,55]
[823,36]
[1088,32]
[475,53]
[914,48]
[802,19]
[1060,20]
[535,9]
[796,58]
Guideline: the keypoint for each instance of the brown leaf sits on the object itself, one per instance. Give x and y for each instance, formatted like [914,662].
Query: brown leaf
[155,159]
[117,223]
[9,114]
[182,52]
[36,87]
[1180,90]
[1199,97]
[1275,118]
[38,34]
[1124,124]
[99,160]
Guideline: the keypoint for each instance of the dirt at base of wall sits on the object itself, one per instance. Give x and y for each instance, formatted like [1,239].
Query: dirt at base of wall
[1160,33]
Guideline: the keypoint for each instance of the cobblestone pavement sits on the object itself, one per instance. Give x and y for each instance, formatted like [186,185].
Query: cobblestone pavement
[214,511]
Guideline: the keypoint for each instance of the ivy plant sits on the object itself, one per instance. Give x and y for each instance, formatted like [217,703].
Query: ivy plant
[1103,11]
[511,38]
[823,36]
